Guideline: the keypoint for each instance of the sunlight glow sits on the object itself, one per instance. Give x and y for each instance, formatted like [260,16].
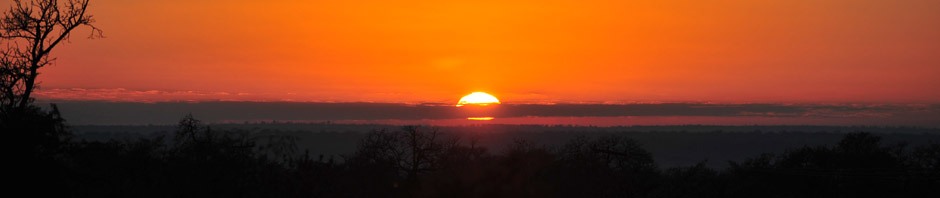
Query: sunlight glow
[480,118]
[478,98]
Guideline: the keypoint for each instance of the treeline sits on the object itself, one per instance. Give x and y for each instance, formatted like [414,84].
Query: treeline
[198,161]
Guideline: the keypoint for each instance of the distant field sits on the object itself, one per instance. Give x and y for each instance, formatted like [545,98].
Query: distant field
[670,145]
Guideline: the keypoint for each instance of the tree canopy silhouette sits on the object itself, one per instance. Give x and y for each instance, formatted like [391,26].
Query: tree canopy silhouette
[30,30]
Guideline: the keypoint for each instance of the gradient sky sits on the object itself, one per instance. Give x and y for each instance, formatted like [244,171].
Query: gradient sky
[527,51]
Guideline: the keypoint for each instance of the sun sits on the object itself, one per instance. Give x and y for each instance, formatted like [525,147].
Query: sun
[478,98]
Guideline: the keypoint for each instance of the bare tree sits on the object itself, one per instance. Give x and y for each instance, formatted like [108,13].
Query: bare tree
[413,150]
[30,30]
[189,128]
[425,148]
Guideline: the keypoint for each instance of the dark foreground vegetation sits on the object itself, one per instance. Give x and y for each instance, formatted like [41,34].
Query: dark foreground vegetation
[197,161]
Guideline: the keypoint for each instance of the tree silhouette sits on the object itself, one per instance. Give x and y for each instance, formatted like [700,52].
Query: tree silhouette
[413,150]
[188,131]
[425,149]
[30,30]
[604,166]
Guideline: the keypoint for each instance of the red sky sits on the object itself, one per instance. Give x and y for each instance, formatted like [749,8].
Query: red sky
[533,51]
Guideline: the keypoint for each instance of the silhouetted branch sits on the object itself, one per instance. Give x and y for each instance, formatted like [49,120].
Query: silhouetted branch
[31,29]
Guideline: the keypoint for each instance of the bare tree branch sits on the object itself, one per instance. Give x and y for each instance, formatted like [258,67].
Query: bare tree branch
[31,29]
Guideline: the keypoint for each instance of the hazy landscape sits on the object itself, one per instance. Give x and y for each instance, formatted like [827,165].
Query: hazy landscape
[671,146]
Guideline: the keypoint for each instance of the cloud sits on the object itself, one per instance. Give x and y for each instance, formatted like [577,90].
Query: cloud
[145,96]
[99,112]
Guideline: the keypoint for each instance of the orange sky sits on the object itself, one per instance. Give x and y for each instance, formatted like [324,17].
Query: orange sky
[541,50]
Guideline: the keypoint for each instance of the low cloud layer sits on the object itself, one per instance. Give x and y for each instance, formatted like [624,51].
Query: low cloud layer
[134,113]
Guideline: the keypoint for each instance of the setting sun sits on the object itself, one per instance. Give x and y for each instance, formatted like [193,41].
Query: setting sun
[478,98]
